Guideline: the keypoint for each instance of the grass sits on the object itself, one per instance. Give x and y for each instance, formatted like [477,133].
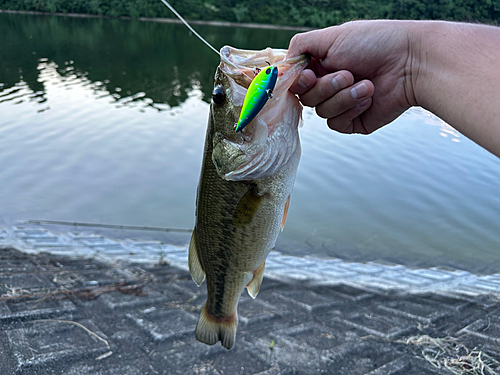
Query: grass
[449,354]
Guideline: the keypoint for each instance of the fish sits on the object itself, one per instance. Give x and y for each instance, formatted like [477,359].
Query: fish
[245,185]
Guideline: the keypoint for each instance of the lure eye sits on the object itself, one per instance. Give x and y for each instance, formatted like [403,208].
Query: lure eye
[268,71]
[219,95]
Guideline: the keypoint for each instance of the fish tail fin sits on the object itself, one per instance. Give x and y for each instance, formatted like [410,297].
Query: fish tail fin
[209,329]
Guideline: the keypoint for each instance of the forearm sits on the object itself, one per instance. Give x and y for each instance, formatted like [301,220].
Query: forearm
[455,73]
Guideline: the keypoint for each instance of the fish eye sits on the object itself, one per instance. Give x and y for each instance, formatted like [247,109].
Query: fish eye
[219,95]
[268,71]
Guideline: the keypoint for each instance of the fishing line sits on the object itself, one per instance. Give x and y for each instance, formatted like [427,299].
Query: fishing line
[200,37]
[189,26]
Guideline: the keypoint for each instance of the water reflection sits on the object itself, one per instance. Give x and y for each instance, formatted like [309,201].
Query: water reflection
[162,62]
[446,130]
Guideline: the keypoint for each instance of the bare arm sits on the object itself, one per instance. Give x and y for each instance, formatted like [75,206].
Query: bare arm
[458,78]
[365,74]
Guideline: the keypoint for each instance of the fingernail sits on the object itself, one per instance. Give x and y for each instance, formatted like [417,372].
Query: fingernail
[360,90]
[339,82]
[364,103]
[304,81]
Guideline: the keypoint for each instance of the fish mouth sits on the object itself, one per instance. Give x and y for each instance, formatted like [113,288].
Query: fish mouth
[271,138]
[239,64]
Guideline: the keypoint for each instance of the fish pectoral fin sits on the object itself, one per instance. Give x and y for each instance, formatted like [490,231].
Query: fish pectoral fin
[209,329]
[285,213]
[247,207]
[195,269]
[253,286]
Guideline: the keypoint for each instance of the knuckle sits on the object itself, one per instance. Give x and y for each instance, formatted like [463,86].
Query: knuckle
[294,40]
[344,99]
[323,110]
[307,100]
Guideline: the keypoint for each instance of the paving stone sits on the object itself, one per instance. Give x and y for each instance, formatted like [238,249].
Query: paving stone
[450,302]
[363,359]
[129,369]
[21,310]
[408,278]
[15,265]
[310,301]
[487,285]
[252,311]
[433,274]
[487,329]
[116,300]
[361,268]
[272,265]
[295,262]
[281,351]
[158,325]
[416,310]
[329,344]
[42,342]
[331,273]
[201,359]
[344,292]
[26,281]
[398,366]
[386,326]
[26,233]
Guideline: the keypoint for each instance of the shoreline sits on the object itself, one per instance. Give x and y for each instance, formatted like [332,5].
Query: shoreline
[161,20]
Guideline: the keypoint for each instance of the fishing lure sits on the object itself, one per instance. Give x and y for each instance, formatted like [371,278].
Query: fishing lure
[260,90]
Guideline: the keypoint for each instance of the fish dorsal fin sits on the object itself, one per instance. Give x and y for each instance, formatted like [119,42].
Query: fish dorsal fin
[247,207]
[195,269]
[285,213]
[254,286]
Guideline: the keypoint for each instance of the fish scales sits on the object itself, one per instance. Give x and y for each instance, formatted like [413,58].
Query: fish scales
[244,187]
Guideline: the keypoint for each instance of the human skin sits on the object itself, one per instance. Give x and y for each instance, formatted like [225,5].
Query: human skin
[364,74]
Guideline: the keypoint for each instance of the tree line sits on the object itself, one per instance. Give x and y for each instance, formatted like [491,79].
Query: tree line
[302,13]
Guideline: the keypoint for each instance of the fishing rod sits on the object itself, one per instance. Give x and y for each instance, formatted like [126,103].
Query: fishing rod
[112,226]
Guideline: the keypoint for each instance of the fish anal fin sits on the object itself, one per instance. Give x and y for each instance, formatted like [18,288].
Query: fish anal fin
[247,207]
[210,329]
[253,286]
[285,213]
[195,268]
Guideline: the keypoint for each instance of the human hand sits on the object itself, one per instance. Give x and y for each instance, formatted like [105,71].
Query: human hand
[360,75]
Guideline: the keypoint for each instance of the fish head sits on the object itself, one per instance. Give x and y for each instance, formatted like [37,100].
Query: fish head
[271,138]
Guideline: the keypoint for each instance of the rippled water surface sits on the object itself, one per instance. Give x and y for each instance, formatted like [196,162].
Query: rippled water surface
[104,121]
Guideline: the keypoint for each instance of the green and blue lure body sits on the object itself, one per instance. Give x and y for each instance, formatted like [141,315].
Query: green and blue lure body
[260,90]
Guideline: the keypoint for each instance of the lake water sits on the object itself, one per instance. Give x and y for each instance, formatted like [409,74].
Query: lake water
[104,121]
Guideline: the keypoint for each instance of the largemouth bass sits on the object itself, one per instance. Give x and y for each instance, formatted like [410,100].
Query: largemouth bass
[244,188]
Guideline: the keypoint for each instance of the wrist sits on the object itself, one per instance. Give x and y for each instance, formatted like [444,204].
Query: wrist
[421,68]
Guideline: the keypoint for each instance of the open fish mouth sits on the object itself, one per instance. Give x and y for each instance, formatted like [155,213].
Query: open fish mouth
[269,141]
[239,64]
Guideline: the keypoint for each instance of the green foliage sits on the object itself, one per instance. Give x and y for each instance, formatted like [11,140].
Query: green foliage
[307,13]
